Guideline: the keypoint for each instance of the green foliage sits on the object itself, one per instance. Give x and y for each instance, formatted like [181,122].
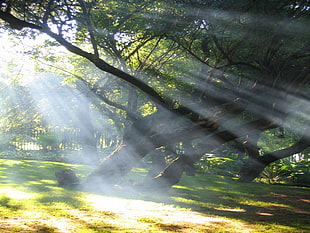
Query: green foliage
[48,141]
[6,142]
[219,165]
[17,111]
[274,173]
[289,172]
[273,140]
[225,160]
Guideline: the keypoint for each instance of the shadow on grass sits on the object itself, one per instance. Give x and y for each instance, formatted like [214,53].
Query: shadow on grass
[211,195]
[8,203]
[253,203]
[37,177]
[221,196]
[34,175]
[28,228]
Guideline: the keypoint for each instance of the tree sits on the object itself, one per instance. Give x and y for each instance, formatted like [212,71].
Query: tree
[214,72]
[17,109]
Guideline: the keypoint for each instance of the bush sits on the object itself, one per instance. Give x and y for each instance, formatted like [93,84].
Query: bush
[216,165]
[289,172]
[5,142]
[49,141]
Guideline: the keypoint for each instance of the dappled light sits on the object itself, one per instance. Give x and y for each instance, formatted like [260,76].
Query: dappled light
[188,207]
[16,194]
[154,116]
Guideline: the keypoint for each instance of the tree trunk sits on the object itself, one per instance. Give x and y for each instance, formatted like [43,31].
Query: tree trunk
[141,140]
[127,155]
[252,167]
[250,170]
[114,167]
[168,177]
[172,174]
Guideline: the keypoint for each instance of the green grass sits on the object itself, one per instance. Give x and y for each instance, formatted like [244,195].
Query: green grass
[31,201]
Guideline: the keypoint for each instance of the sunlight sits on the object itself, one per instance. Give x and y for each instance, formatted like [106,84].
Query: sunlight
[132,76]
[137,209]
[231,210]
[272,105]
[18,51]
[16,194]
[12,163]
[124,206]
[69,211]
[64,107]
[183,187]
[61,224]
[13,50]
[264,214]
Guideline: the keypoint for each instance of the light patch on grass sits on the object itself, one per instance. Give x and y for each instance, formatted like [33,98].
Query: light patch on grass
[137,211]
[247,201]
[279,205]
[39,222]
[123,206]
[305,200]
[11,162]
[54,188]
[231,210]
[48,181]
[225,206]
[183,187]
[186,200]
[203,204]
[33,182]
[264,214]
[149,220]
[16,194]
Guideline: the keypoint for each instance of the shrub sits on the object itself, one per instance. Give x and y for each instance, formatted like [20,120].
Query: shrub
[289,172]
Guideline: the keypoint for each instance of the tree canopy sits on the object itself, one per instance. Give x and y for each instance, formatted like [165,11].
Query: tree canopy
[192,74]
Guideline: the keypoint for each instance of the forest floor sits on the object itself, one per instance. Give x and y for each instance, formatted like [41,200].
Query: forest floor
[31,201]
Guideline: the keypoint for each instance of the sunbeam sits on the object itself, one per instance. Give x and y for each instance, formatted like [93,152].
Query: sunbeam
[154,116]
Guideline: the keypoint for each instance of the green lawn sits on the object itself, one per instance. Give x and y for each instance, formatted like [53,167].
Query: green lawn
[30,201]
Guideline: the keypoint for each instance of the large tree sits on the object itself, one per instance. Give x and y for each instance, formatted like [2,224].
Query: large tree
[212,71]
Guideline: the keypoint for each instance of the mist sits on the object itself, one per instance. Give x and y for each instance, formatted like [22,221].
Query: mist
[112,110]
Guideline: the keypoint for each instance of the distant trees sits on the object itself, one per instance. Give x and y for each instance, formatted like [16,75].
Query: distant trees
[34,118]
[193,75]
[18,112]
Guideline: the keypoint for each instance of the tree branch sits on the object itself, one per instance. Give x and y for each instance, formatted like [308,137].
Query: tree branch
[104,66]
[90,28]
[16,23]
[298,147]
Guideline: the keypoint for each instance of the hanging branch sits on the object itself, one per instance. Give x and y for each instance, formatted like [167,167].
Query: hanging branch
[16,23]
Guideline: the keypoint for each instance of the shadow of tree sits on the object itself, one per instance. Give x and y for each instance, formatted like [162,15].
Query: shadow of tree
[209,195]
[220,196]
[38,177]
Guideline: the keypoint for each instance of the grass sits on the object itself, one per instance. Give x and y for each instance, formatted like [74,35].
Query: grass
[30,201]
